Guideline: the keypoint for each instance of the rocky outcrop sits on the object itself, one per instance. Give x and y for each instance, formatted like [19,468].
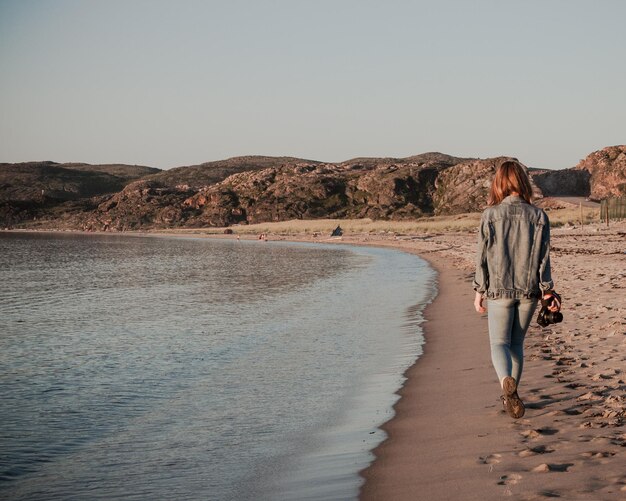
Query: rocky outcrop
[141,204]
[607,171]
[600,175]
[464,188]
[563,183]
[382,189]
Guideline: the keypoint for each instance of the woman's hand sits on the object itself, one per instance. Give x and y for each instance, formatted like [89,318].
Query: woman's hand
[555,300]
[478,303]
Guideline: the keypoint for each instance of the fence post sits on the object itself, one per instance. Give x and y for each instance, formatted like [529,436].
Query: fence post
[581,218]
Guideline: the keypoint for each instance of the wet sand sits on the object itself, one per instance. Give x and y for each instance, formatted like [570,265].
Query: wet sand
[441,436]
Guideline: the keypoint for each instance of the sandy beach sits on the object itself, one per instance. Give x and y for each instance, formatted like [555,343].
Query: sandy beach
[450,438]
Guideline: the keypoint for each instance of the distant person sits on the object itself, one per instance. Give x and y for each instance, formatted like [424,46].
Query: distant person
[512,273]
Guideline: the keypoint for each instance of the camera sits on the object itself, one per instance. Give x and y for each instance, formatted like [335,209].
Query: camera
[547,317]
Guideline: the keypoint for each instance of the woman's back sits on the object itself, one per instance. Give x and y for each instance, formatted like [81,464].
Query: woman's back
[515,240]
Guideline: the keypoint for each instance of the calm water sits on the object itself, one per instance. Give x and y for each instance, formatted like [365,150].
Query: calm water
[165,368]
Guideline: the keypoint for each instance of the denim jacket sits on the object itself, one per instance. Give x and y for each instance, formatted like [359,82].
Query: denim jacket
[513,259]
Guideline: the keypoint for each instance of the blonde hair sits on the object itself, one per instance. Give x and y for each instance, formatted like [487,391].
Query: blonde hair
[510,177]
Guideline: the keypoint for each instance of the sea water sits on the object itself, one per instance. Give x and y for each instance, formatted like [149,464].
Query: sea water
[187,368]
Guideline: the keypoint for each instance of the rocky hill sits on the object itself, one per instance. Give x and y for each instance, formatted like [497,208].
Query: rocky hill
[606,169]
[32,190]
[199,176]
[386,188]
[34,181]
[257,189]
[157,200]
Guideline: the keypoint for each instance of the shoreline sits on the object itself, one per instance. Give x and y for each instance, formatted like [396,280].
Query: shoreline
[449,438]
[437,436]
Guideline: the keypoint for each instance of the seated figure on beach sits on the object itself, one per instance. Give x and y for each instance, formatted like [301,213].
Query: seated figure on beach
[512,273]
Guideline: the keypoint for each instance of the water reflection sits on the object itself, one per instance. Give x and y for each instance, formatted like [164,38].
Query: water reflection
[169,368]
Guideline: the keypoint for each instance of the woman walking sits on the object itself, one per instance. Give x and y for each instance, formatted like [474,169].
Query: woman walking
[512,273]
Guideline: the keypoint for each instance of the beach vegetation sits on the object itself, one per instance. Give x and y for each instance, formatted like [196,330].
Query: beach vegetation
[467,222]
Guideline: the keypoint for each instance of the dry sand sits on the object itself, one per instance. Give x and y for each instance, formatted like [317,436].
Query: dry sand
[450,439]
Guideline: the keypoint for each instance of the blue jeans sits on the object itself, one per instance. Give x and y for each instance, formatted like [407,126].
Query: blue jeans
[508,322]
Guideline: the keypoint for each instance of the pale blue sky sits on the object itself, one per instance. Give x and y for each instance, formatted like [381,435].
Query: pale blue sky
[169,83]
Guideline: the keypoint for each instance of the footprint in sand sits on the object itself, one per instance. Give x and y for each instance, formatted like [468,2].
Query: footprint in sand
[537,405]
[548,467]
[538,432]
[598,454]
[612,413]
[554,413]
[549,494]
[591,396]
[533,451]
[592,412]
[614,400]
[565,361]
[601,440]
[573,411]
[588,424]
[619,440]
[490,459]
[530,434]
[510,479]
[573,386]
[601,377]
[561,372]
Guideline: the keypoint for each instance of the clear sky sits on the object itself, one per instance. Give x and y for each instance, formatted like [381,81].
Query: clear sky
[169,83]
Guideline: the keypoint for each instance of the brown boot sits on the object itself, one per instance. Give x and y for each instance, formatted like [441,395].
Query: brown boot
[512,403]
